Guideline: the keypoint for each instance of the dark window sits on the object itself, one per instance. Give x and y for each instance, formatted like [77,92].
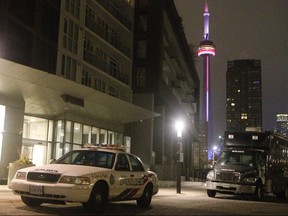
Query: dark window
[122,163]
[88,158]
[136,163]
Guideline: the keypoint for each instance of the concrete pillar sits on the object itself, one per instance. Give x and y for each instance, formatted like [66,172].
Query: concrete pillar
[12,134]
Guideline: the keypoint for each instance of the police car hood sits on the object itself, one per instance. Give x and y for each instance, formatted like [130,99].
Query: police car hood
[67,169]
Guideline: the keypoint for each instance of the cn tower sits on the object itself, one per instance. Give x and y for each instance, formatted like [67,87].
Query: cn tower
[206,50]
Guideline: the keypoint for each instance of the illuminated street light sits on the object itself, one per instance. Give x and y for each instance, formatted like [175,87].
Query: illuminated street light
[179,128]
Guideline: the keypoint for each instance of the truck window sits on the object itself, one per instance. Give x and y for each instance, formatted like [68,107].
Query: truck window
[238,158]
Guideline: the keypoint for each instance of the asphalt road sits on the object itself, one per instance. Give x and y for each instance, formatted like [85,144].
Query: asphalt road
[191,201]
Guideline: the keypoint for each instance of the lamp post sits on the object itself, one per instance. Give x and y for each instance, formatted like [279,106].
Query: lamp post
[220,141]
[179,127]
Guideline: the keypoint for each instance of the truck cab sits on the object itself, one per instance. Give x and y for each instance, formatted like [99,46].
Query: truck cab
[241,167]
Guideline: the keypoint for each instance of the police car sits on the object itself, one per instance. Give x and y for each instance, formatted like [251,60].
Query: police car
[92,176]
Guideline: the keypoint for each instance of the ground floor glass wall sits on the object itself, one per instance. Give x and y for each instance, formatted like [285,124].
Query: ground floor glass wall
[45,139]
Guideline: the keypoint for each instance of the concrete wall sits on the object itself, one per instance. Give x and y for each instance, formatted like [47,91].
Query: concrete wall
[142,131]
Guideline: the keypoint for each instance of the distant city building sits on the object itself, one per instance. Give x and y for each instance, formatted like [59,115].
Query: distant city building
[243,95]
[282,124]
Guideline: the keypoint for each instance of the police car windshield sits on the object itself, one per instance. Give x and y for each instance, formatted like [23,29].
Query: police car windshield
[88,158]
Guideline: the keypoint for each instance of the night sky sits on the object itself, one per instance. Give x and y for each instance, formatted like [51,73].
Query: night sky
[243,29]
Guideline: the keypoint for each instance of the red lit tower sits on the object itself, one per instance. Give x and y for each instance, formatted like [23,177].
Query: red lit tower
[206,50]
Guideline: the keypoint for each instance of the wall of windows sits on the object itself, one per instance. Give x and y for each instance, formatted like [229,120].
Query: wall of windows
[37,139]
[44,139]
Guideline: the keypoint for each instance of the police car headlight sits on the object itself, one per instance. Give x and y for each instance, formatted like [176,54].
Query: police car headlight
[75,180]
[20,175]
[210,175]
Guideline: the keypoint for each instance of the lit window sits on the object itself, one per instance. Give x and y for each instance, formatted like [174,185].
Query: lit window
[244,116]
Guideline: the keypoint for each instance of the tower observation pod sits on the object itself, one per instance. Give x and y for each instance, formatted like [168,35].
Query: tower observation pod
[206,47]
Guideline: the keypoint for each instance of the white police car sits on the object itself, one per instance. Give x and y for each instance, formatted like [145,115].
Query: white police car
[91,176]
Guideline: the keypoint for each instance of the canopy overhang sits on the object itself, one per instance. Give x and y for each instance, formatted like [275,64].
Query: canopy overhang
[50,95]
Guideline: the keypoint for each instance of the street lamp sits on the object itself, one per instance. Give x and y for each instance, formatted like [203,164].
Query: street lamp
[220,137]
[179,128]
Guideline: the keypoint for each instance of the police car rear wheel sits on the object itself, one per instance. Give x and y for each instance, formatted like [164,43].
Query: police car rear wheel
[145,200]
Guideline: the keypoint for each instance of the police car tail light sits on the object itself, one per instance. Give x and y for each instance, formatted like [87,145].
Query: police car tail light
[20,175]
[75,180]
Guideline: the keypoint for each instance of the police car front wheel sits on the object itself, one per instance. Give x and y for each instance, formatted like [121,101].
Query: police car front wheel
[31,201]
[145,200]
[97,200]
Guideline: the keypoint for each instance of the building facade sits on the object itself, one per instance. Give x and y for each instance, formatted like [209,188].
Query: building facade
[243,95]
[165,80]
[66,77]
[282,124]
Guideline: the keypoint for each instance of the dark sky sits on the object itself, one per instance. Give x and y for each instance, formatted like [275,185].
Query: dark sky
[243,29]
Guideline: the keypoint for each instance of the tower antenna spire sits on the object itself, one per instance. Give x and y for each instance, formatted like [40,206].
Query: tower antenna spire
[206,15]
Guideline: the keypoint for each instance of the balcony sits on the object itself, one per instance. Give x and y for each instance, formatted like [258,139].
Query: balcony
[107,36]
[116,13]
[106,67]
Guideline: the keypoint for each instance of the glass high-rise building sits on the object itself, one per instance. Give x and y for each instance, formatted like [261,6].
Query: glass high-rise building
[243,95]
[282,124]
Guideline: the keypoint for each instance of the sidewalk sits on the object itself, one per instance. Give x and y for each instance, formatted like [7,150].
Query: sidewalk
[4,188]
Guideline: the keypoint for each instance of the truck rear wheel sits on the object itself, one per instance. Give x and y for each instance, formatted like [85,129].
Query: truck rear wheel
[258,194]
[211,193]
